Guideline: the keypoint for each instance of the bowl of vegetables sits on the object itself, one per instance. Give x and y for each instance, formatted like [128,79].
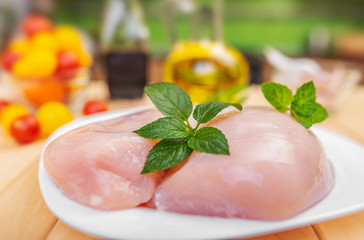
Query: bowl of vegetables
[46,62]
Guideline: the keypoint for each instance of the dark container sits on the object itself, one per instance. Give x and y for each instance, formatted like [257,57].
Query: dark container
[126,74]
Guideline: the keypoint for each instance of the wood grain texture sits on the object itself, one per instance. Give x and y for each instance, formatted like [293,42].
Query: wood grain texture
[349,120]
[14,159]
[61,232]
[345,228]
[24,214]
[303,233]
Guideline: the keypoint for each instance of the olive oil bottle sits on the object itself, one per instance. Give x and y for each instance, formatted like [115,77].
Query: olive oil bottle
[204,64]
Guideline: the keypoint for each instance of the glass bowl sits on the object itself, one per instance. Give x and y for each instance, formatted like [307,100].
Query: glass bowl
[67,88]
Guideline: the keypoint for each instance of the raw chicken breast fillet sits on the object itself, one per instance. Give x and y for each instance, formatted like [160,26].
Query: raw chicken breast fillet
[276,170]
[99,165]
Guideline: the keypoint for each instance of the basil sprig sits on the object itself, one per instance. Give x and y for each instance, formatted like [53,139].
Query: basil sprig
[302,105]
[179,138]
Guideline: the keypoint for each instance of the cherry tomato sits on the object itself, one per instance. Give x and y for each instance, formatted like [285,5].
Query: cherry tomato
[48,91]
[95,106]
[36,23]
[68,65]
[44,41]
[36,63]
[84,57]
[3,103]
[19,45]
[51,116]
[8,58]
[68,38]
[25,129]
[9,113]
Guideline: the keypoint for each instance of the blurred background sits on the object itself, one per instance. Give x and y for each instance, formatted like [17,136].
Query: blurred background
[53,49]
[318,28]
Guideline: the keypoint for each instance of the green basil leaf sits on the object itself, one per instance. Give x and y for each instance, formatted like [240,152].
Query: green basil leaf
[207,111]
[164,128]
[320,114]
[209,140]
[278,95]
[170,100]
[165,154]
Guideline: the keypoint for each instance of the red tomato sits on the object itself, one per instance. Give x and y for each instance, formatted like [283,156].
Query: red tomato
[8,58]
[25,129]
[68,65]
[95,106]
[36,23]
[3,103]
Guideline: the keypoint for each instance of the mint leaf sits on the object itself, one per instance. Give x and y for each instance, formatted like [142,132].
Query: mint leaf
[233,94]
[170,100]
[209,140]
[305,99]
[278,95]
[207,111]
[305,93]
[304,120]
[179,137]
[164,128]
[320,114]
[305,108]
[165,154]
[303,105]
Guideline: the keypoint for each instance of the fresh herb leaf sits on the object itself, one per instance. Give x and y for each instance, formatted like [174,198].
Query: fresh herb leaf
[234,94]
[320,114]
[164,128]
[305,93]
[303,105]
[179,137]
[304,101]
[207,111]
[209,140]
[170,100]
[304,120]
[278,95]
[165,154]
[304,108]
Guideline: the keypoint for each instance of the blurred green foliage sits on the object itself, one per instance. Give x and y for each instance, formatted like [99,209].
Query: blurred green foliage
[249,25]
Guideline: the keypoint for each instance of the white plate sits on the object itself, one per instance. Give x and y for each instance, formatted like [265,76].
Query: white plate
[347,197]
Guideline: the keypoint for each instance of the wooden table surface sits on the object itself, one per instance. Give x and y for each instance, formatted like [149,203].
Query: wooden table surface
[24,215]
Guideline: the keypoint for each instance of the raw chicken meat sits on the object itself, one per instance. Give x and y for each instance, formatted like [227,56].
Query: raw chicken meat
[276,170]
[99,165]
